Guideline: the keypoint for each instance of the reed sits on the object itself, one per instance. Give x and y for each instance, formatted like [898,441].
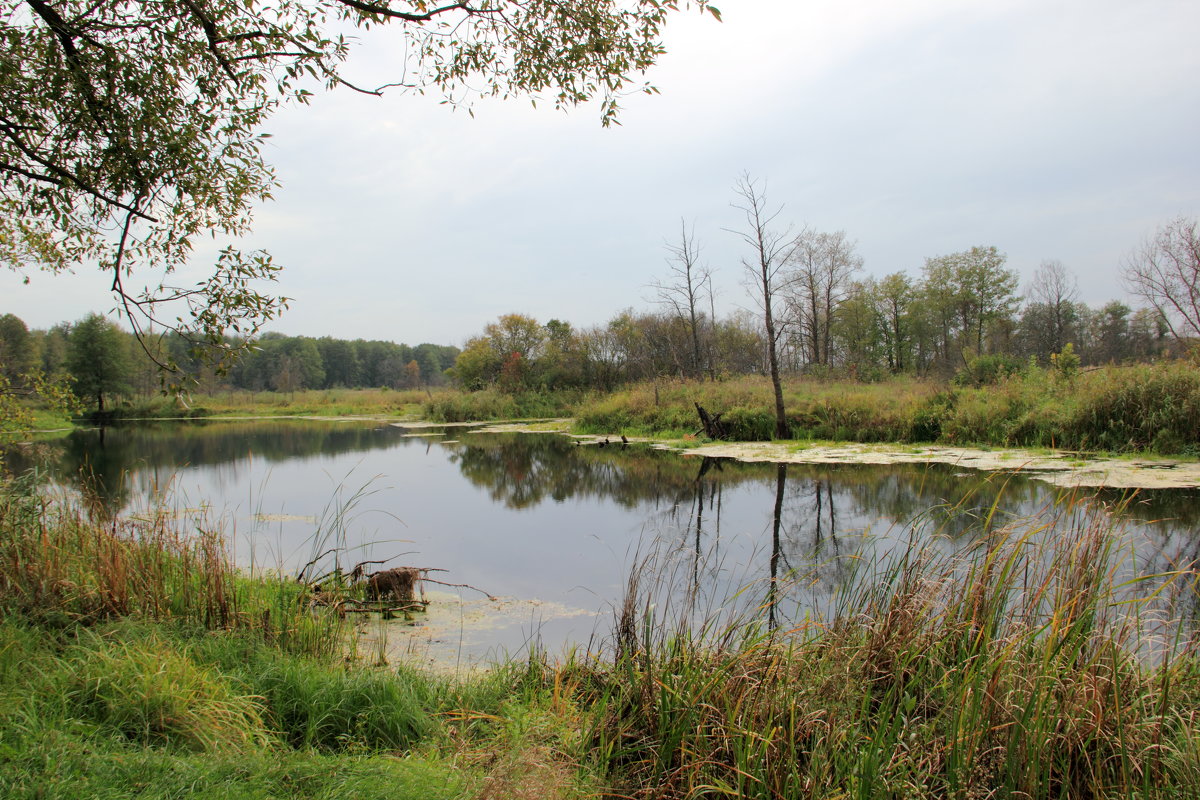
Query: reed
[1145,408]
[1033,665]
[60,568]
[493,404]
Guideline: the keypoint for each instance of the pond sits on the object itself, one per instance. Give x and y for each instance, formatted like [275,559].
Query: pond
[553,529]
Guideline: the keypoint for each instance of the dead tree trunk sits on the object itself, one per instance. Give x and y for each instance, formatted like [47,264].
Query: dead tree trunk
[712,425]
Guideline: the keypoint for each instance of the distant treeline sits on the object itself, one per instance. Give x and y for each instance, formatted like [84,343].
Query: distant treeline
[102,361]
[518,353]
[962,318]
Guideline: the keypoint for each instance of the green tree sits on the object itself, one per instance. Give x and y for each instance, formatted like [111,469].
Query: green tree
[893,297]
[565,362]
[341,362]
[129,129]
[52,349]
[295,364]
[381,363]
[516,333]
[971,293]
[17,355]
[477,366]
[489,357]
[97,360]
[434,359]
[856,330]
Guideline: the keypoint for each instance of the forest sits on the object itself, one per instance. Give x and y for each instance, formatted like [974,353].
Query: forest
[962,319]
[101,362]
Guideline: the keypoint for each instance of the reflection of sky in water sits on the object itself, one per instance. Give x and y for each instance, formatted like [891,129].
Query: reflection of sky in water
[536,518]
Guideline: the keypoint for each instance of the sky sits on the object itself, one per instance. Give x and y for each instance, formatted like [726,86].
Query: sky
[1064,130]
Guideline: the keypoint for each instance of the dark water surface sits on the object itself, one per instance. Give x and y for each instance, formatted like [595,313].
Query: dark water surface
[553,525]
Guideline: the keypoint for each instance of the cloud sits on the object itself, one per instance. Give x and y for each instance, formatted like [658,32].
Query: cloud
[1050,131]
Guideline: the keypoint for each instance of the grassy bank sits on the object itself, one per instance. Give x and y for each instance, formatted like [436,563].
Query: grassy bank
[493,404]
[1147,408]
[1009,671]
[134,659]
[323,402]
[1137,409]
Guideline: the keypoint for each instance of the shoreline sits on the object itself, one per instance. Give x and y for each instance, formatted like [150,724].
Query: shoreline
[1059,468]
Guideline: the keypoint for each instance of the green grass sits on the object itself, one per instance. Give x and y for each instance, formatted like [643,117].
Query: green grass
[1145,409]
[493,404]
[136,661]
[319,402]
[1009,671]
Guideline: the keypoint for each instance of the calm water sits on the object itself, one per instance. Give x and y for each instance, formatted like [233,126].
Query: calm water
[551,526]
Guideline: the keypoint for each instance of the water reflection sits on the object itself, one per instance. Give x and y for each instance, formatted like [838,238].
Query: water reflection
[534,515]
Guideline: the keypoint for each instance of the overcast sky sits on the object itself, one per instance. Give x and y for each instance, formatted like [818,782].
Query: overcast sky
[1051,130]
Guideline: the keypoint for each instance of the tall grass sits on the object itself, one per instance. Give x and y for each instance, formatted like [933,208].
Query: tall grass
[493,404]
[1023,668]
[59,568]
[323,402]
[131,708]
[1142,408]
[136,660]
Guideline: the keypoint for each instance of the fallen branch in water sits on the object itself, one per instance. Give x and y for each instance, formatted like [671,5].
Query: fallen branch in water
[488,595]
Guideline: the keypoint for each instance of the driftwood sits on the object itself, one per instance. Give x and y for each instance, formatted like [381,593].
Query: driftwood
[398,583]
[401,583]
[399,589]
[347,605]
[712,426]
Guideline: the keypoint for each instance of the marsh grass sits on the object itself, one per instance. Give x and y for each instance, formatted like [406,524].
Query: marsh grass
[1144,408]
[1039,663]
[60,568]
[1034,665]
[317,402]
[493,404]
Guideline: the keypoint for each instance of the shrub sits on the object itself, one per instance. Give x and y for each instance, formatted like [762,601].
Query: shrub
[1155,407]
[987,370]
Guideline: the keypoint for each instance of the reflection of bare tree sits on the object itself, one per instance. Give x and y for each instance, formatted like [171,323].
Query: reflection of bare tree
[713,488]
[776,549]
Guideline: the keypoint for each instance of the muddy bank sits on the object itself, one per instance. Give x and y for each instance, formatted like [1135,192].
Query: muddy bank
[457,634]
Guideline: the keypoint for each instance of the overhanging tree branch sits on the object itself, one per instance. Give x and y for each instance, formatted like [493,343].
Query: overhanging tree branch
[132,128]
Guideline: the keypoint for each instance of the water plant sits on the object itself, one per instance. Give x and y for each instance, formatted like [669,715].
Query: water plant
[1042,661]
[1032,665]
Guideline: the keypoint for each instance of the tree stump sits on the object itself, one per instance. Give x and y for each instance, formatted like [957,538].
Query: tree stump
[712,425]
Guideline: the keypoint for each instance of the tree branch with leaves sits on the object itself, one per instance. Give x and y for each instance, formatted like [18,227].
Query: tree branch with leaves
[128,130]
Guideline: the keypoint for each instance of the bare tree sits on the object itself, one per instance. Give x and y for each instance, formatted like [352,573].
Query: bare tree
[765,277]
[1165,271]
[824,264]
[683,290]
[1051,296]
